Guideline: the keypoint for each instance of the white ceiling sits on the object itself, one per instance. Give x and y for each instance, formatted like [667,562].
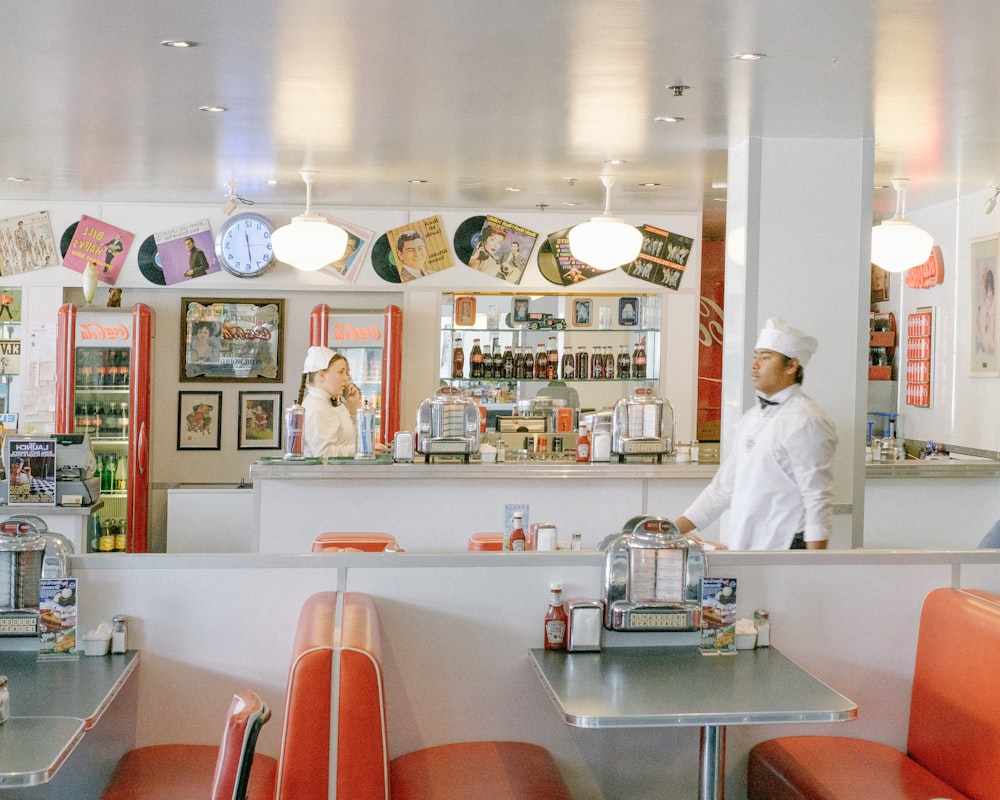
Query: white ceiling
[475,97]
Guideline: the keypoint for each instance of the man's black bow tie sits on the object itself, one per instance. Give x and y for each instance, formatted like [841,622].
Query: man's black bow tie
[764,402]
[335,401]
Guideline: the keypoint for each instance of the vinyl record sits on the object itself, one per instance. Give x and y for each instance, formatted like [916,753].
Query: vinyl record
[149,262]
[466,237]
[547,263]
[67,238]
[384,268]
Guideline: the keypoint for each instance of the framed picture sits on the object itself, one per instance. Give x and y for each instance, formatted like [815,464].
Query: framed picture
[984,361]
[465,310]
[199,420]
[259,421]
[628,311]
[231,340]
[581,312]
[519,309]
[880,284]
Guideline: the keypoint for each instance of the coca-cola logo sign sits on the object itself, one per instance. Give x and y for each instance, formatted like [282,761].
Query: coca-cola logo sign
[96,332]
[343,332]
[236,333]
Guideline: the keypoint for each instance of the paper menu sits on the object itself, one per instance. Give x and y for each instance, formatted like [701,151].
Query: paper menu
[718,615]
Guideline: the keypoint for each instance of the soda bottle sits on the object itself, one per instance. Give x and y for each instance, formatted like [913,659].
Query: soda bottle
[121,474]
[624,363]
[457,359]
[476,360]
[507,369]
[517,538]
[639,359]
[497,370]
[597,364]
[121,536]
[108,473]
[552,371]
[568,365]
[582,363]
[555,619]
[541,362]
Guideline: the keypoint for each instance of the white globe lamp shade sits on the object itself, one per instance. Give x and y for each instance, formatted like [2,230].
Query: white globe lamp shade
[309,242]
[605,242]
[899,245]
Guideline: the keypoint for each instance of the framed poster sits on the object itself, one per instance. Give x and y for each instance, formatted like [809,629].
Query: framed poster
[199,420]
[519,309]
[581,312]
[259,421]
[231,340]
[983,344]
[465,310]
[628,311]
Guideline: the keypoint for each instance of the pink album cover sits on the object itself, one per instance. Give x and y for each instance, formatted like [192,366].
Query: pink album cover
[101,244]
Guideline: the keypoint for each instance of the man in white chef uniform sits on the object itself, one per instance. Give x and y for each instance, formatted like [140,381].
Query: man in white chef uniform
[778,481]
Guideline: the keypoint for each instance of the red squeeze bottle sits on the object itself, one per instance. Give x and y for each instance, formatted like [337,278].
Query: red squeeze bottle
[583,445]
[555,619]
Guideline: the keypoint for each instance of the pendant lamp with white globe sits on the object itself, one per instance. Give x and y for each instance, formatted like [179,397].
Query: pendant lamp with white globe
[898,244]
[606,241]
[309,242]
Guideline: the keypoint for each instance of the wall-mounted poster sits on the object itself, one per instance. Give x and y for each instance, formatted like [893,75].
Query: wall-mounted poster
[31,473]
[231,339]
[26,243]
[983,345]
[101,244]
[186,251]
[10,305]
[662,259]
[358,241]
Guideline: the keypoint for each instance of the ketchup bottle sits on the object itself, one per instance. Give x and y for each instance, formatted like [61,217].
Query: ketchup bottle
[583,445]
[518,540]
[555,619]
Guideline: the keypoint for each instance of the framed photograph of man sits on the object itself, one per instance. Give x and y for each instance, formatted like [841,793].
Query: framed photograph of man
[984,360]
[349,264]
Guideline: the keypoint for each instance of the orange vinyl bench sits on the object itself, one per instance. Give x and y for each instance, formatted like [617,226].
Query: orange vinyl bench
[352,634]
[954,728]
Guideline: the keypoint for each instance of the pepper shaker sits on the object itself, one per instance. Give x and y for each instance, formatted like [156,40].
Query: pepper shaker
[119,634]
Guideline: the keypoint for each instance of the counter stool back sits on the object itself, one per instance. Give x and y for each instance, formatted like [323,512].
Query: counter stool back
[162,772]
[369,542]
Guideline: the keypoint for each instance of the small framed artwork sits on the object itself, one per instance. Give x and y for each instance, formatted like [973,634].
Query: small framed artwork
[465,310]
[984,359]
[199,420]
[581,312]
[628,311]
[519,309]
[259,421]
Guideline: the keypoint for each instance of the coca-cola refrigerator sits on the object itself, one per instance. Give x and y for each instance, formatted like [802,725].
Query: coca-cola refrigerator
[103,377]
[372,342]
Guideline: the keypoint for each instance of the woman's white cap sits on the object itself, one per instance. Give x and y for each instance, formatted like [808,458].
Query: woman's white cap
[318,358]
[781,337]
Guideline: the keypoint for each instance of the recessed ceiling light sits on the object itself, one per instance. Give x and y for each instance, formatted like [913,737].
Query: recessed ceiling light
[570,205]
[417,180]
[668,119]
[213,109]
[649,185]
[15,179]
[512,189]
[749,56]
[272,182]
[616,161]
[720,185]
[179,43]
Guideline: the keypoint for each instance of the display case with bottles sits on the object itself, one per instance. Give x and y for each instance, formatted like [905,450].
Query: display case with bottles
[592,350]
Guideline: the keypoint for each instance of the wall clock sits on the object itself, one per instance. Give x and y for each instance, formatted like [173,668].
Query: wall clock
[243,245]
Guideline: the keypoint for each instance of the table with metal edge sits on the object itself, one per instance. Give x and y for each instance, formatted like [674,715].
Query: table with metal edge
[53,704]
[635,687]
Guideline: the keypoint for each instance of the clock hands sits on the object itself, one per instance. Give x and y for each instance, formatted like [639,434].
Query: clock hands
[249,250]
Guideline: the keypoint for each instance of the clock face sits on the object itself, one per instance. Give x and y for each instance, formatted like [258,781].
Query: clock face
[244,245]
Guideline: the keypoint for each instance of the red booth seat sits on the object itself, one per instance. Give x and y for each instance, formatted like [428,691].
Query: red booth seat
[495,770]
[954,728]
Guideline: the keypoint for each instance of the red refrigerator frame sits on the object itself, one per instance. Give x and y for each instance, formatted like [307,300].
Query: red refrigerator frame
[392,356]
[140,346]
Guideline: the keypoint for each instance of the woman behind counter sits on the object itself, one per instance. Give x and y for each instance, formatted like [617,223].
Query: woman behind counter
[330,401]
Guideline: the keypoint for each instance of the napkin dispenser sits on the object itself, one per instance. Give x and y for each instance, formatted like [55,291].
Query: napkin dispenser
[447,424]
[652,577]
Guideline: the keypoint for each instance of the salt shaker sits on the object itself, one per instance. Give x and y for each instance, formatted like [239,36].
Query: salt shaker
[763,620]
[119,634]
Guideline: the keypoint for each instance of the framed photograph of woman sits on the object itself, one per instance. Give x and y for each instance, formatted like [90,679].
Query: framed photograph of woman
[199,420]
[984,345]
[581,312]
[259,421]
[231,339]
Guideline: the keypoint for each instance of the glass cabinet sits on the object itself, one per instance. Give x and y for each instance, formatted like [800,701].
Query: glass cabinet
[590,350]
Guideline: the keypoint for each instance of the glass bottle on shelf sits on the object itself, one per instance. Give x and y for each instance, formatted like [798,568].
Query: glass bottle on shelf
[96,421]
[597,364]
[582,362]
[517,538]
[568,365]
[121,474]
[496,370]
[552,371]
[541,362]
[555,619]
[639,359]
[103,367]
[624,363]
[507,367]
[121,537]
[108,473]
[476,360]
[123,419]
[457,358]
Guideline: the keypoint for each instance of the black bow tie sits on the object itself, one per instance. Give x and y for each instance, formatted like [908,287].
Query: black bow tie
[764,402]
[334,401]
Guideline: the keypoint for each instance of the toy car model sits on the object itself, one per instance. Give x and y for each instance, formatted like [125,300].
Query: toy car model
[538,321]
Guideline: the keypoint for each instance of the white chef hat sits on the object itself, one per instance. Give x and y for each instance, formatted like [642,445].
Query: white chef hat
[781,337]
[318,358]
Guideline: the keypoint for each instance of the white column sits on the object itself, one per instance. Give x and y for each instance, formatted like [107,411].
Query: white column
[798,240]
